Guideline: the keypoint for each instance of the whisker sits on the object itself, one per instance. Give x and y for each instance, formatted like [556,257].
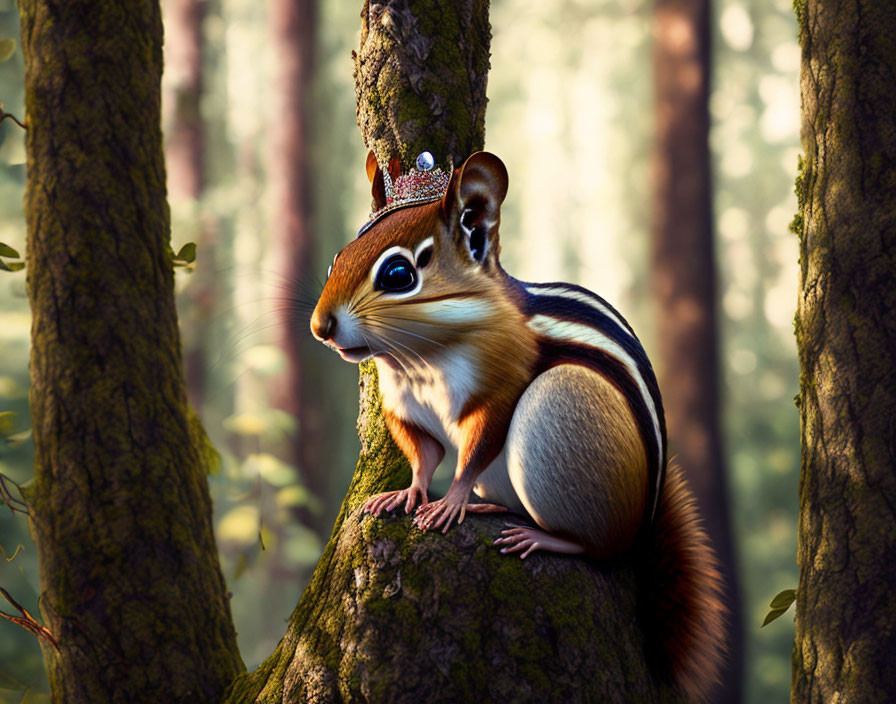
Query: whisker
[396,342]
[355,305]
[384,322]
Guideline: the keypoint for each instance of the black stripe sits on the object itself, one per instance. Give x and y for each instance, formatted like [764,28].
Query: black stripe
[585,292]
[555,352]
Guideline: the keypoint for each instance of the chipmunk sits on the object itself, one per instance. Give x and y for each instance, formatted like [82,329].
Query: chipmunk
[543,389]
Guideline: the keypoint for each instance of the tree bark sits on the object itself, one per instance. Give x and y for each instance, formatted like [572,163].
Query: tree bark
[420,78]
[845,648]
[683,278]
[120,510]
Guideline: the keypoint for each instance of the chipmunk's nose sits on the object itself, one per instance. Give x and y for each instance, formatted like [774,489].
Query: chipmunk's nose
[323,327]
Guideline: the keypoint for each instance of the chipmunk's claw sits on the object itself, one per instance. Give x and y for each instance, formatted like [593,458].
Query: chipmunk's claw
[389,500]
[528,540]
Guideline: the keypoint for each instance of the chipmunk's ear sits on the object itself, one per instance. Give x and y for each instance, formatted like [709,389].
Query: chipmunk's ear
[472,205]
[377,184]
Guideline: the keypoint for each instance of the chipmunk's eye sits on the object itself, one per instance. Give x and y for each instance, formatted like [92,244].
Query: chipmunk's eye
[424,257]
[396,275]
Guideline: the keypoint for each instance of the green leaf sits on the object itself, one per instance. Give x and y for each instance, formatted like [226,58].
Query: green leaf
[187,253]
[241,564]
[7,49]
[245,424]
[266,536]
[784,599]
[7,251]
[297,495]
[239,525]
[274,470]
[7,422]
[772,615]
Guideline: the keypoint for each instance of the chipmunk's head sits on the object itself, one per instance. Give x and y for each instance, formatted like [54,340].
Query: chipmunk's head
[422,274]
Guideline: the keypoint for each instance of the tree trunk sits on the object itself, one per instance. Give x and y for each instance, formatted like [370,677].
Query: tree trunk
[684,286]
[120,510]
[293,30]
[394,614]
[845,647]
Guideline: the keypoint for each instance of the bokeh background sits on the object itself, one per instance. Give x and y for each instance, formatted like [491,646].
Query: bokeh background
[570,113]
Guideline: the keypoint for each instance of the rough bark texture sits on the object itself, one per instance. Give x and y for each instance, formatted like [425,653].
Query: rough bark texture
[845,649]
[293,30]
[396,615]
[420,78]
[120,510]
[683,277]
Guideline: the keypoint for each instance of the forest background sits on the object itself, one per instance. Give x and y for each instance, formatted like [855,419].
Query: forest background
[570,113]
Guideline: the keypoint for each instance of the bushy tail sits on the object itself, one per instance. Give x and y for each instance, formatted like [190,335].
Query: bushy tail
[683,606]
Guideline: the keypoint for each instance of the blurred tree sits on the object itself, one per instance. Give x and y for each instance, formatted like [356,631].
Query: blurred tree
[185,138]
[120,511]
[293,30]
[683,278]
[185,147]
[845,647]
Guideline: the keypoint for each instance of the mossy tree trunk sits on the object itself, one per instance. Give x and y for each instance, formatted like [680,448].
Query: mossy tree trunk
[396,615]
[120,510]
[845,647]
[683,278]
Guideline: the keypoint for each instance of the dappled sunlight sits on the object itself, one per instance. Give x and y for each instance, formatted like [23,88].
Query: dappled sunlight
[571,115]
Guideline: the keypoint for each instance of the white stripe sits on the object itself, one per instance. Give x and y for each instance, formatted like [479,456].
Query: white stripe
[574,295]
[428,242]
[586,335]
[455,310]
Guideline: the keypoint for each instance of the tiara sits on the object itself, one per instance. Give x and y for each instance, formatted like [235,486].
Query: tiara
[422,184]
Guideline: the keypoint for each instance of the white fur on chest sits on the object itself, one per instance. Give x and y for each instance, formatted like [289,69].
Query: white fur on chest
[431,395]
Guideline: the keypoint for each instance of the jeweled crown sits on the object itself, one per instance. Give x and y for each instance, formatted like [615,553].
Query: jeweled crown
[422,184]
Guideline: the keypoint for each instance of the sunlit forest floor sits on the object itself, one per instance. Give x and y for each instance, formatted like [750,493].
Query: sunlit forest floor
[570,115]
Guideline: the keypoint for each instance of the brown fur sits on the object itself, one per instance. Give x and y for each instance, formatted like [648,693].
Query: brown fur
[422,450]
[576,460]
[682,600]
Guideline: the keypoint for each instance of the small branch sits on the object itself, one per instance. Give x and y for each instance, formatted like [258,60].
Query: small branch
[10,559]
[27,621]
[4,115]
[7,498]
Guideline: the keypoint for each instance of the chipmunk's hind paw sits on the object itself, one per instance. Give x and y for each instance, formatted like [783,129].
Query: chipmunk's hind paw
[486,508]
[528,540]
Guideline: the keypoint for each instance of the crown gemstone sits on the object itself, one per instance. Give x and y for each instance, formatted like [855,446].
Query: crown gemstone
[422,184]
[425,161]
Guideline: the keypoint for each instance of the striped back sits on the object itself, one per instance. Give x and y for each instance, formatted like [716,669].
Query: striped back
[576,326]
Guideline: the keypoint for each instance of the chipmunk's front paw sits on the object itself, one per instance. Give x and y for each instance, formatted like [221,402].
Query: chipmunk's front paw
[389,500]
[441,513]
